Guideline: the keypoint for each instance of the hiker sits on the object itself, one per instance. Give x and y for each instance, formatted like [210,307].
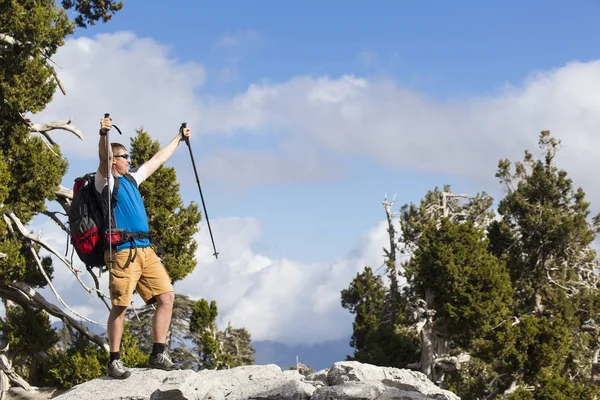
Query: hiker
[134,263]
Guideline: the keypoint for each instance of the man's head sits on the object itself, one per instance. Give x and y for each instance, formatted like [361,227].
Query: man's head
[120,160]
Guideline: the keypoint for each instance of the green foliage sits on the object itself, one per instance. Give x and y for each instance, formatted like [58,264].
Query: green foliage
[90,11]
[31,170]
[28,334]
[236,345]
[472,289]
[28,331]
[415,219]
[218,350]
[26,83]
[472,381]
[203,316]
[515,293]
[548,219]
[202,323]
[554,386]
[377,336]
[131,354]
[82,361]
[364,298]
[172,223]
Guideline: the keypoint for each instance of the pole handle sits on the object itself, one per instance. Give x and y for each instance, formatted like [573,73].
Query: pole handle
[183,126]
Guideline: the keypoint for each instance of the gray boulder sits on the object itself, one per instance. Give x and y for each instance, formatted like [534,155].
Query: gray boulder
[344,380]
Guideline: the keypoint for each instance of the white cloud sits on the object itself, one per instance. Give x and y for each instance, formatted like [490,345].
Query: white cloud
[277,299]
[400,129]
[307,124]
[135,79]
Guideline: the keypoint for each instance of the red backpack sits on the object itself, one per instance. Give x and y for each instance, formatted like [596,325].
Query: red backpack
[86,220]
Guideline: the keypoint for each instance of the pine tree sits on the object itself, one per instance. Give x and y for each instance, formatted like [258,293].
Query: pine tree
[513,302]
[455,291]
[218,349]
[31,31]
[377,336]
[545,236]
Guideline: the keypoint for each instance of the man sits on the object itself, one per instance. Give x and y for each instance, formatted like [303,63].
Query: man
[134,264]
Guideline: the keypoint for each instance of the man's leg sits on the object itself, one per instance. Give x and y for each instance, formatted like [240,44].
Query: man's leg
[116,319]
[160,327]
[162,316]
[115,332]
[122,281]
[155,286]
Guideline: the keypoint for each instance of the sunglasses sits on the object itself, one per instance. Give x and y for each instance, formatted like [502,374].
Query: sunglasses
[125,156]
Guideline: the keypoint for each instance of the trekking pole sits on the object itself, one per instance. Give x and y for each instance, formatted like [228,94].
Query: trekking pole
[110,258]
[187,141]
[108,173]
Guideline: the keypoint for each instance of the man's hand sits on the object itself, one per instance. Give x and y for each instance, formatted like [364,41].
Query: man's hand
[186,133]
[105,125]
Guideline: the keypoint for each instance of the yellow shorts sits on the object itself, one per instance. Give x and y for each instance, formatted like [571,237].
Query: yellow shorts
[146,273]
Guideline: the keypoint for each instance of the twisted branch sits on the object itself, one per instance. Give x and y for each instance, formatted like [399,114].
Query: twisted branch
[42,243]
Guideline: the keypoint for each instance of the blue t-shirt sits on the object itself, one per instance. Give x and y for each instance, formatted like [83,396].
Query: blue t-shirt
[129,210]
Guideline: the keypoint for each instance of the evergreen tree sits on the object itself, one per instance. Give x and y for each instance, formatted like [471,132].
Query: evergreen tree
[236,344]
[31,31]
[29,335]
[466,290]
[173,224]
[377,336]
[515,298]
[218,349]
[545,236]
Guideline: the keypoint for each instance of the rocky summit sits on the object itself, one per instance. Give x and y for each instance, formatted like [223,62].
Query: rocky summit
[344,380]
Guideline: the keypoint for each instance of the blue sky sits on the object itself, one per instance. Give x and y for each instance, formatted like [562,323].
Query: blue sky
[448,49]
[305,114]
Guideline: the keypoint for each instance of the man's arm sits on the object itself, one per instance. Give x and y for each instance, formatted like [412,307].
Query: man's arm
[105,125]
[165,153]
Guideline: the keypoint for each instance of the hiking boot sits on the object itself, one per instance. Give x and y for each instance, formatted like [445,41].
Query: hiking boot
[117,370]
[161,361]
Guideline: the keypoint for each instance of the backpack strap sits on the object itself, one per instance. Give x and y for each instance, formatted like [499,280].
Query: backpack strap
[130,178]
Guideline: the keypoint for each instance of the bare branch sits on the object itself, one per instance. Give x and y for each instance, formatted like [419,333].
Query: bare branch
[53,125]
[6,367]
[26,296]
[52,215]
[39,241]
[58,82]
[64,197]
[449,364]
[43,271]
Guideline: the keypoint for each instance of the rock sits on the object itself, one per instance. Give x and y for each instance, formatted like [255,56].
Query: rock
[18,393]
[344,380]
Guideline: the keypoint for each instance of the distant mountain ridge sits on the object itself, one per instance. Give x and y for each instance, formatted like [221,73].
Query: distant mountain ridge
[318,356]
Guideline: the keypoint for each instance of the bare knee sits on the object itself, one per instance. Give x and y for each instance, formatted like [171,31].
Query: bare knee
[117,313]
[165,299]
